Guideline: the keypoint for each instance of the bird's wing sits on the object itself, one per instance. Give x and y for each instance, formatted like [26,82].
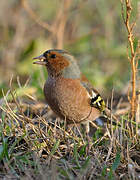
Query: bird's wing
[95,99]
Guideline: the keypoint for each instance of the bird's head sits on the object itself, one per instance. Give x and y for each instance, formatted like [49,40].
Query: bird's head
[59,63]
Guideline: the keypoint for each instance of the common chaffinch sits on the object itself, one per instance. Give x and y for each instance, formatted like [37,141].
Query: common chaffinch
[69,94]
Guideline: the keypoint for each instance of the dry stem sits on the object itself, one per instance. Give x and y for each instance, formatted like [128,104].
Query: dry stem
[35,17]
[57,28]
[132,57]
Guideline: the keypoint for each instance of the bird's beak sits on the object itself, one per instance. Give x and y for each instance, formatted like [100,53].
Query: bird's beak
[41,59]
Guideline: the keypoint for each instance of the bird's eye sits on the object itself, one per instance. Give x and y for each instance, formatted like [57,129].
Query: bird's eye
[53,56]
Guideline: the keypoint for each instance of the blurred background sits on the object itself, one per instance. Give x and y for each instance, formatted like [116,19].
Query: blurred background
[92,30]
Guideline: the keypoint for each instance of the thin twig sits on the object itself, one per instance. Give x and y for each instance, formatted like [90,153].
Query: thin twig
[35,17]
[132,58]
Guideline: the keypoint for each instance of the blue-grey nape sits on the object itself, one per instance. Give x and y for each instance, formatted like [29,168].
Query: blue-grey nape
[61,51]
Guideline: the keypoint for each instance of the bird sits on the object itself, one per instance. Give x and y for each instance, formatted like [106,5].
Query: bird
[68,92]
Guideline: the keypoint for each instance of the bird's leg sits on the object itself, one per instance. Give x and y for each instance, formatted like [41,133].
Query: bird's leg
[69,128]
[88,137]
[87,128]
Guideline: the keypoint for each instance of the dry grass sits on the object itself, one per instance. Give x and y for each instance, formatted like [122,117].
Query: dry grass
[36,145]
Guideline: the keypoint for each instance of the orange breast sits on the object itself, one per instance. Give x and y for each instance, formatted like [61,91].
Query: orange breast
[69,99]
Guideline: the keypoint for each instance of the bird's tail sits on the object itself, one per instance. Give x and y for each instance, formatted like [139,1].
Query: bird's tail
[106,117]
